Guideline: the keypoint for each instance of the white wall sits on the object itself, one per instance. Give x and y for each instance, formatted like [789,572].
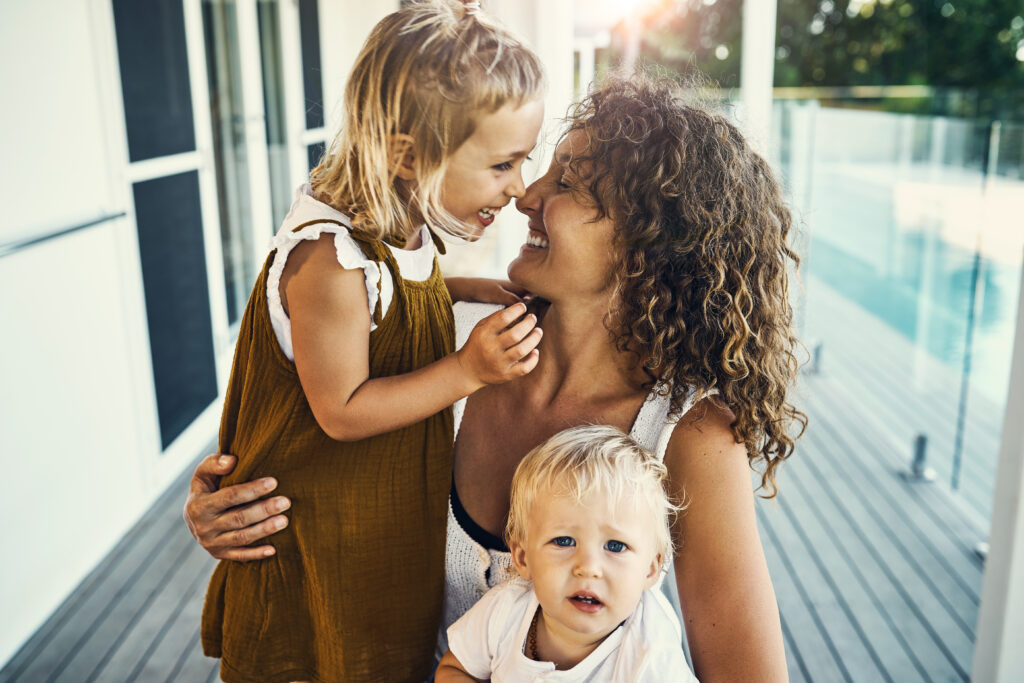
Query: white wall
[79,441]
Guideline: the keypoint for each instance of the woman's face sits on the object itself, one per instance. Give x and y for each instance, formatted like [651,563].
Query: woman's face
[568,254]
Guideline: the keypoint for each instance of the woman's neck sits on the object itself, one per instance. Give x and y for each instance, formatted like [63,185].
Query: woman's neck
[578,356]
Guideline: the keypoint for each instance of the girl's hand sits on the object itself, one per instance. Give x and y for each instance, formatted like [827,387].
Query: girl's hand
[501,347]
[485,290]
[226,521]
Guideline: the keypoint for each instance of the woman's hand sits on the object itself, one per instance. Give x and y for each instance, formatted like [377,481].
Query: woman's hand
[226,521]
[485,290]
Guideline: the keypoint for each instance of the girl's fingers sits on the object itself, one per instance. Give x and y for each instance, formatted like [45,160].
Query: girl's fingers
[505,317]
[526,365]
[507,298]
[519,351]
[518,332]
[514,288]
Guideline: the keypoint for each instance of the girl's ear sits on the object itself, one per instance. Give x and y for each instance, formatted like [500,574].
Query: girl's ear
[653,572]
[401,156]
[519,560]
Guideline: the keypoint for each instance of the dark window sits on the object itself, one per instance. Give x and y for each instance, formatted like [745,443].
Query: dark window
[315,151]
[309,27]
[154,77]
[177,299]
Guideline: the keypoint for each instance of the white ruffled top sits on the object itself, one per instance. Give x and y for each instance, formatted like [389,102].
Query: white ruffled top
[415,264]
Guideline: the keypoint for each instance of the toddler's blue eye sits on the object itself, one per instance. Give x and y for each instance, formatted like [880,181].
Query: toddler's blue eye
[564,541]
[615,546]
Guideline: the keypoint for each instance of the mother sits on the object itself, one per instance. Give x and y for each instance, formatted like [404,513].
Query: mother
[657,251]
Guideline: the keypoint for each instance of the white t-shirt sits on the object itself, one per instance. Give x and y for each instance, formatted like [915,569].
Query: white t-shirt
[489,639]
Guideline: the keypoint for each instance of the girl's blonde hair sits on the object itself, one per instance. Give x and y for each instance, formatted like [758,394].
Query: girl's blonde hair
[426,71]
[588,459]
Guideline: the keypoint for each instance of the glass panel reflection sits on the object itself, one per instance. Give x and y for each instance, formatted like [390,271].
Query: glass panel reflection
[232,164]
[912,259]
[273,106]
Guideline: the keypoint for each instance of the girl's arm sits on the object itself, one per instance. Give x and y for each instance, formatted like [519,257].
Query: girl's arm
[484,290]
[726,595]
[450,670]
[330,322]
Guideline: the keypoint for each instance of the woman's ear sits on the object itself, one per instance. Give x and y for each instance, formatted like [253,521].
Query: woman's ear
[519,559]
[401,156]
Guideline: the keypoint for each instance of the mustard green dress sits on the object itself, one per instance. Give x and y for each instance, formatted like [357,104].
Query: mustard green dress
[356,587]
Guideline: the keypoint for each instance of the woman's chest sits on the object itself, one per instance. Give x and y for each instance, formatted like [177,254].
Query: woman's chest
[499,428]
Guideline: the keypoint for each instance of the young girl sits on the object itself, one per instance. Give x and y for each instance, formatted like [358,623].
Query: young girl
[344,371]
[588,529]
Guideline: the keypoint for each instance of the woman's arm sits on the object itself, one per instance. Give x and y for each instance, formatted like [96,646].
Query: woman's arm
[726,595]
[330,323]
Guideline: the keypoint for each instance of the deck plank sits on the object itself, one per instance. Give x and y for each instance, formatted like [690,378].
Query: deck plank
[94,649]
[50,650]
[886,618]
[808,648]
[150,637]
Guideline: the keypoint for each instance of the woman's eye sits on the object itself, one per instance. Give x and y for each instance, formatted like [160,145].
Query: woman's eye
[563,541]
[615,546]
[504,166]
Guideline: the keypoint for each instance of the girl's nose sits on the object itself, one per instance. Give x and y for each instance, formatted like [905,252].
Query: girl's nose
[517,187]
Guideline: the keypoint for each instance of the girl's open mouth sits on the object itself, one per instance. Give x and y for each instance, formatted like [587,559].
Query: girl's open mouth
[487,215]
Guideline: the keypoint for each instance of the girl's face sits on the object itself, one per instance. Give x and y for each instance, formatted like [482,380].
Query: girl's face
[567,252]
[486,171]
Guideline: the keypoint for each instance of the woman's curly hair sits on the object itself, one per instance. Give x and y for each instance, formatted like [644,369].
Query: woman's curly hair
[702,289]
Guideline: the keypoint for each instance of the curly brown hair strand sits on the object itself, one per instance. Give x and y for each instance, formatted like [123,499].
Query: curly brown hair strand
[702,292]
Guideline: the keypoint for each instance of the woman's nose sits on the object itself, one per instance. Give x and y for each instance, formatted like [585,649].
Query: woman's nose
[529,200]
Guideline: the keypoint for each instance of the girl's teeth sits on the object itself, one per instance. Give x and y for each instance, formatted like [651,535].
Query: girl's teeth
[537,241]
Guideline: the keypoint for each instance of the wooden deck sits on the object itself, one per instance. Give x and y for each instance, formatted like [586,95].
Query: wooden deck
[876,576]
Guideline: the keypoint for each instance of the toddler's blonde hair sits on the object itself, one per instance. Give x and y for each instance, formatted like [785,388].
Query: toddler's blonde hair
[592,458]
[427,71]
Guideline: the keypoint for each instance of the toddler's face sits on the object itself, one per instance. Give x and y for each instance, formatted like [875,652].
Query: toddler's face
[590,562]
[486,171]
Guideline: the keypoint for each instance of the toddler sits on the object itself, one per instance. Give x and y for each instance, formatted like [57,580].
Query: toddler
[588,530]
[344,371]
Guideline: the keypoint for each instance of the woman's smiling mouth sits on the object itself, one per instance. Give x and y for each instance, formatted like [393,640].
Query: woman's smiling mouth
[536,239]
